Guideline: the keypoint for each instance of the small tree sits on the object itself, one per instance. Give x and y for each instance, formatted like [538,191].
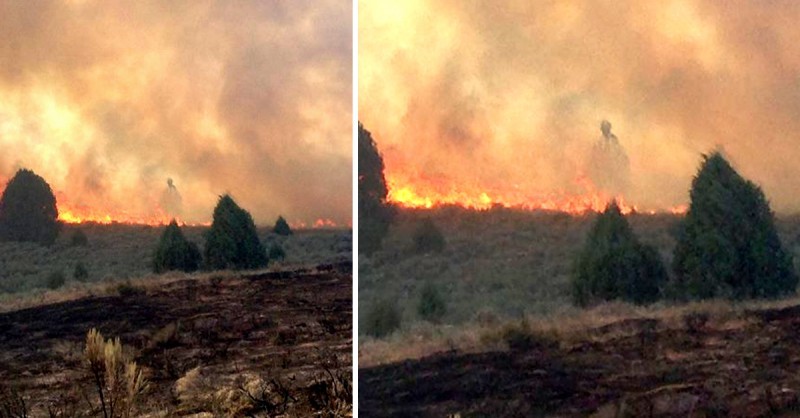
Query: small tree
[232,241]
[382,319]
[374,213]
[175,252]
[81,273]
[282,227]
[431,304]
[28,210]
[727,245]
[428,238]
[55,280]
[276,252]
[78,239]
[615,265]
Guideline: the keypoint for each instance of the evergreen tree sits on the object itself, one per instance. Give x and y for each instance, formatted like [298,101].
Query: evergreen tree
[282,227]
[374,213]
[728,245]
[232,242]
[427,237]
[175,252]
[615,265]
[28,210]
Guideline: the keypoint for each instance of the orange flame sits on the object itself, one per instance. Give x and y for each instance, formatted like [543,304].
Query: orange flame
[431,194]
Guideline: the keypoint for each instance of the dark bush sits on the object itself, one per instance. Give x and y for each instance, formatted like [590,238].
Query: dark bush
[727,245]
[431,305]
[232,241]
[175,252]
[374,213]
[615,265]
[428,238]
[28,210]
[282,227]
[81,273]
[55,280]
[276,252]
[79,239]
[382,319]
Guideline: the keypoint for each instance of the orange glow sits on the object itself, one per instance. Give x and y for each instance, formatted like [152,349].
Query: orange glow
[430,194]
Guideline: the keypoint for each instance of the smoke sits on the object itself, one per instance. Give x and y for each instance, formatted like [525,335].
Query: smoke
[253,98]
[509,95]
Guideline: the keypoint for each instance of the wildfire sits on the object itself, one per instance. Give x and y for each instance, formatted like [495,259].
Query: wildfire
[586,198]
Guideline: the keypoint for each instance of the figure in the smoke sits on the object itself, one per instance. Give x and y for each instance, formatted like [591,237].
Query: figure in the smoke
[609,167]
[171,200]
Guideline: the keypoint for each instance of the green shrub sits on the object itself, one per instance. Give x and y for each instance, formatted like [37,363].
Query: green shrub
[55,280]
[282,227]
[28,210]
[276,252]
[232,241]
[727,245]
[175,252]
[382,319]
[427,237]
[81,273]
[79,239]
[431,305]
[614,265]
[126,290]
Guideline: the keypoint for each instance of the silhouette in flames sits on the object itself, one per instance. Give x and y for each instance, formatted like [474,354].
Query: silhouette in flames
[171,200]
[609,168]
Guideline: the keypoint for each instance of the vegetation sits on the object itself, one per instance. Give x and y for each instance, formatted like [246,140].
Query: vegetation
[55,280]
[28,210]
[79,239]
[615,265]
[374,213]
[382,319]
[232,241]
[431,306]
[282,227]
[118,380]
[728,245]
[276,252]
[81,273]
[175,252]
[428,238]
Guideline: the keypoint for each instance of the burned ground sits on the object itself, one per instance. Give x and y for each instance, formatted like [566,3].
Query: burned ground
[288,329]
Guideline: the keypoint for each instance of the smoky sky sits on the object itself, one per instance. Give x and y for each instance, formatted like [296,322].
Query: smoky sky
[108,99]
[510,95]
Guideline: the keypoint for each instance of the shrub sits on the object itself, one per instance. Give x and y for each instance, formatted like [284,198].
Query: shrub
[232,241]
[79,239]
[382,319]
[175,252]
[727,245]
[55,280]
[276,252]
[28,210]
[374,214]
[81,273]
[127,290]
[427,237]
[117,380]
[431,305]
[282,227]
[615,265]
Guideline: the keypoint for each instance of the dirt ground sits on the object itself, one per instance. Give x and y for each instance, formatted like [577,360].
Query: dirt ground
[748,367]
[291,329]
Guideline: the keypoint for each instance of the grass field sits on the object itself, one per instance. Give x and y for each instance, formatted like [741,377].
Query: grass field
[118,252]
[500,263]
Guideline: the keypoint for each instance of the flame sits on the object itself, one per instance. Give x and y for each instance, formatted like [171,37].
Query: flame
[430,194]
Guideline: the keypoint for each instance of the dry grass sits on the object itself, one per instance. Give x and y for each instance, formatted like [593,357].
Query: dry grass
[570,326]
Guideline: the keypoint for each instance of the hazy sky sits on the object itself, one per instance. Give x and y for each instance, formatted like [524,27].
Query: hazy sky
[108,99]
[508,96]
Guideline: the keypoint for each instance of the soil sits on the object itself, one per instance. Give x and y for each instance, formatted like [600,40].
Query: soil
[290,327]
[745,367]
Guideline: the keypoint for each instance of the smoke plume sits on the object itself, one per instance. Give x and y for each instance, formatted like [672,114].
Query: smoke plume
[106,99]
[507,96]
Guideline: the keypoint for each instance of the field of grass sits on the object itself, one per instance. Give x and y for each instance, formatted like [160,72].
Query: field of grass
[120,252]
[503,264]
